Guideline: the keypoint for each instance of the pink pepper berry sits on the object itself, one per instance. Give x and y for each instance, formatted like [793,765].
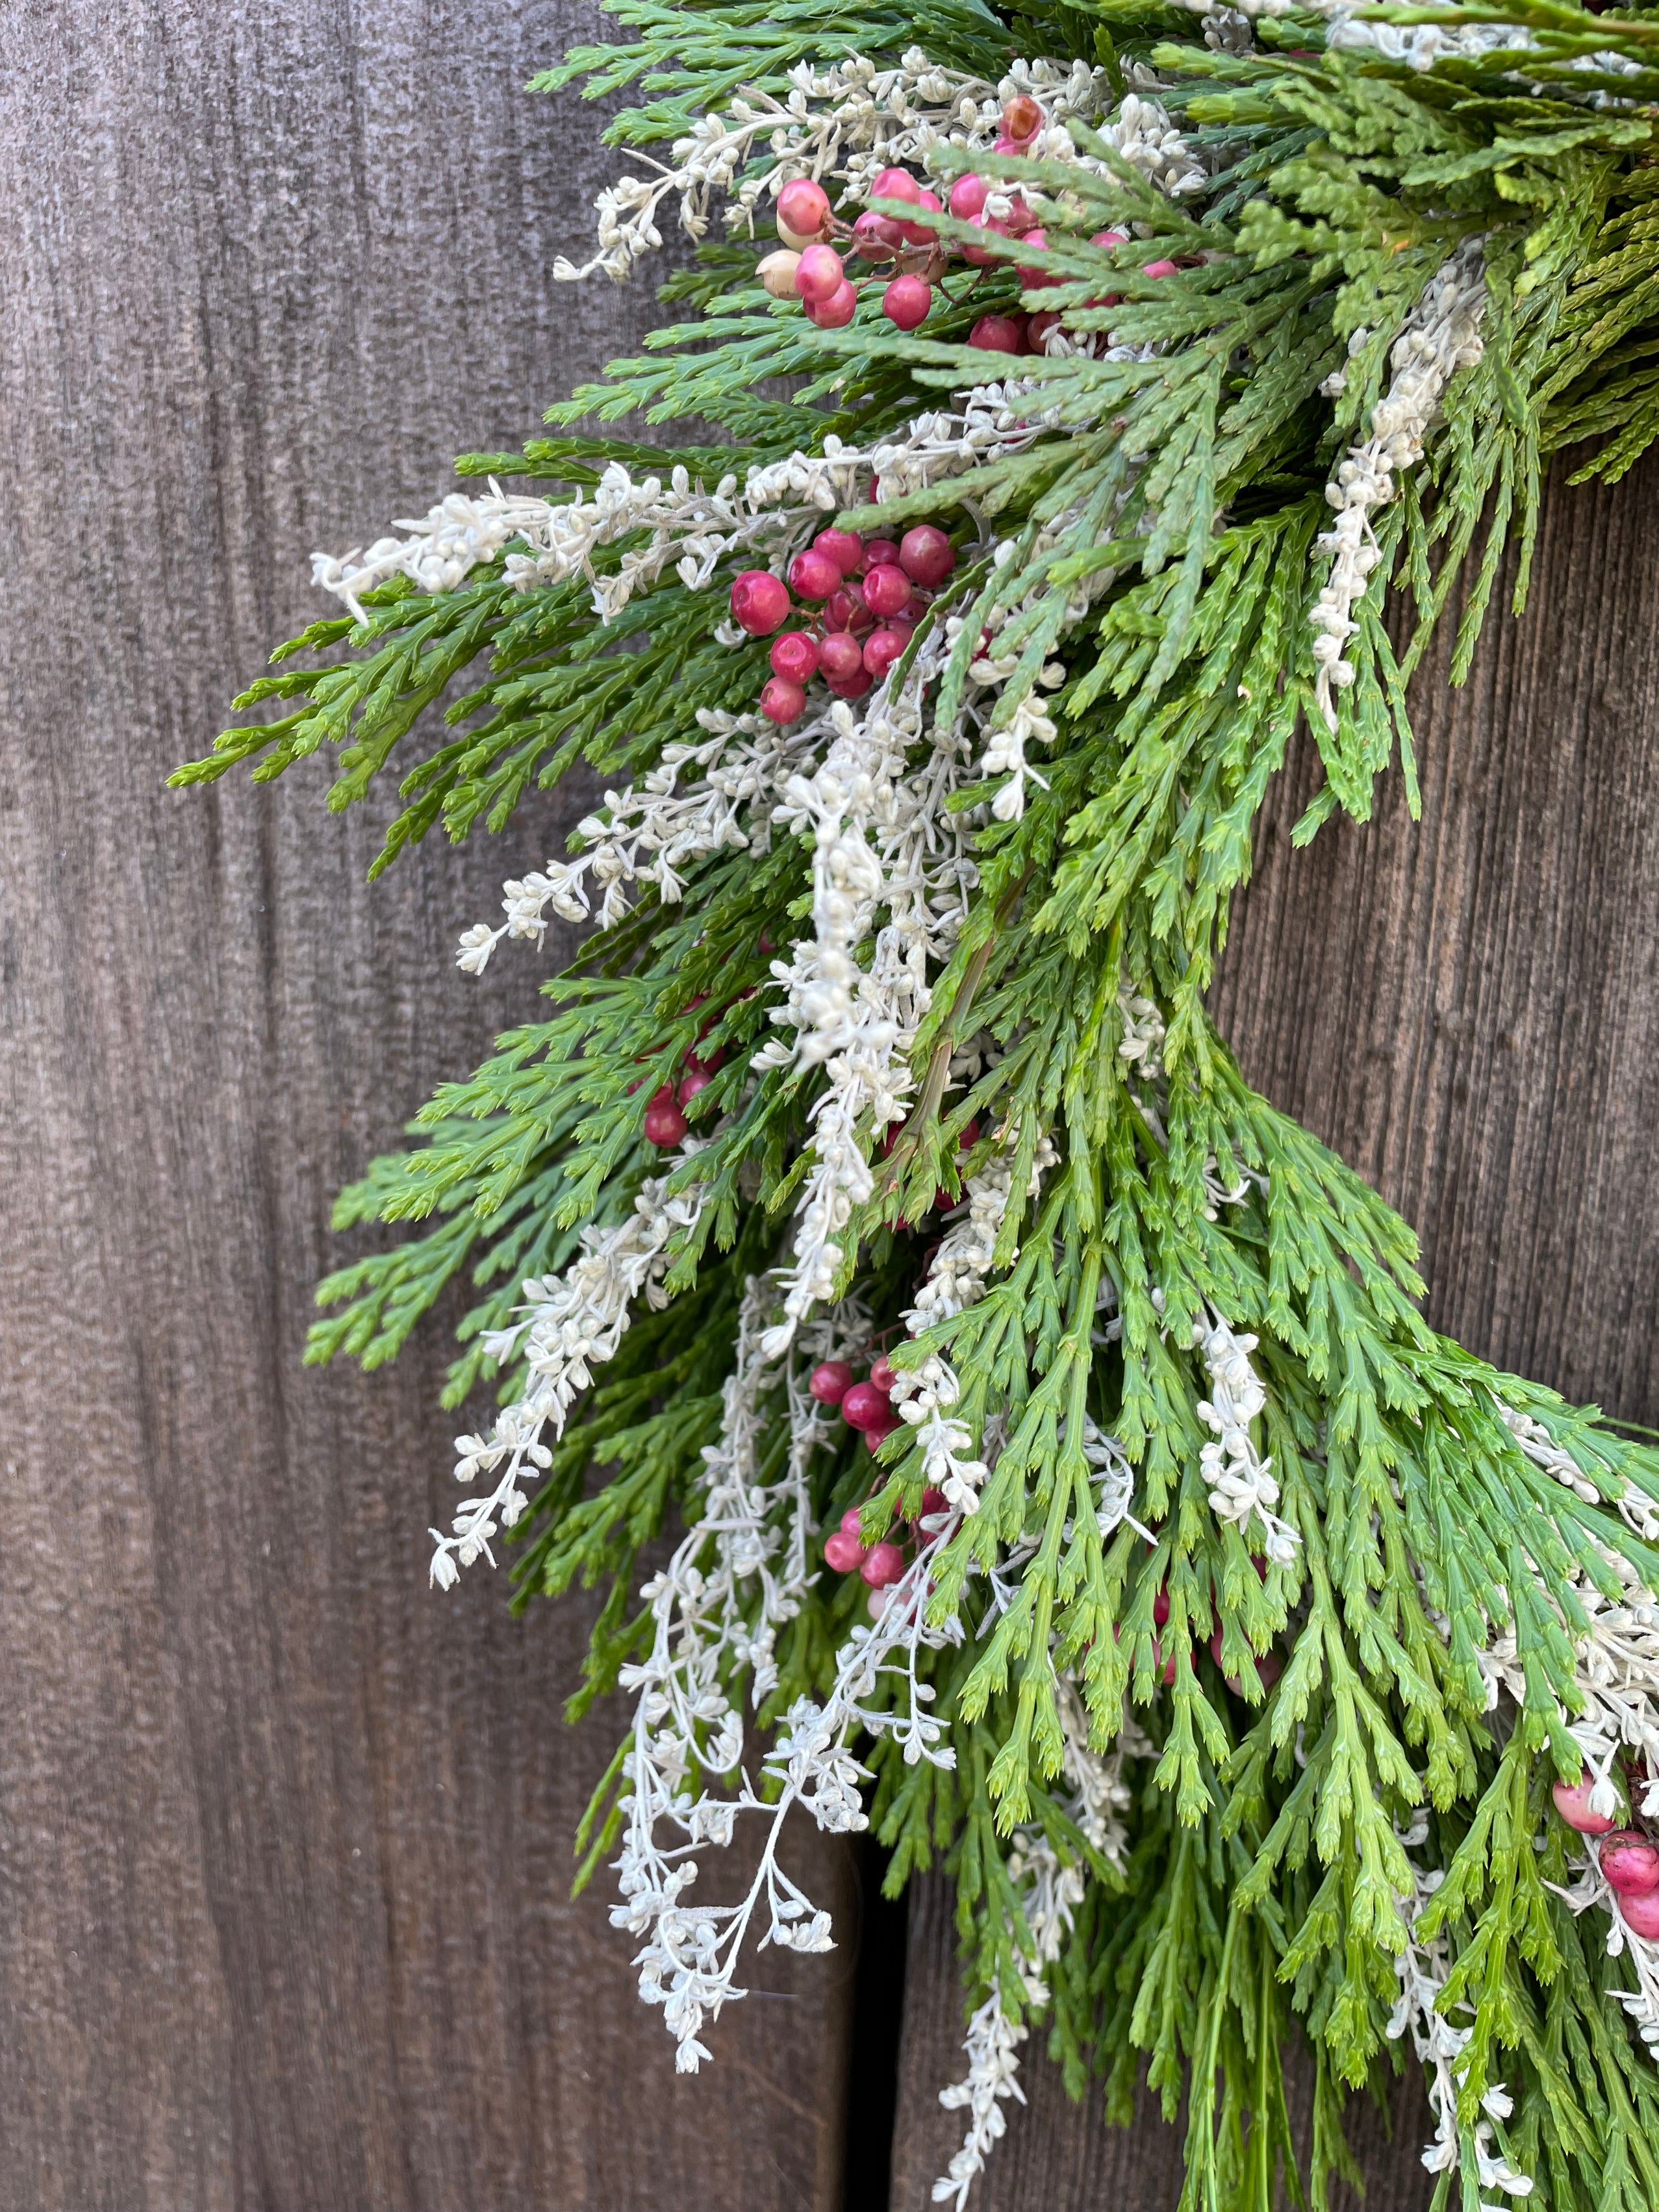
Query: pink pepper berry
[777,273]
[883,1374]
[837,310]
[852,687]
[878,552]
[813,576]
[1270,1666]
[864,1407]
[1640,1914]
[877,237]
[843,547]
[885,1565]
[1037,328]
[1033,273]
[1159,268]
[926,556]
[691,1085]
[782,701]
[1160,1606]
[843,1553]
[760,601]
[886,589]
[665,1124]
[999,334]
[1572,1803]
[919,233]
[895,185]
[803,207]
[841,657]
[845,610]
[794,655]
[907,302]
[819,274]
[830,1381]
[1022,118]
[994,229]
[934,1501]
[882,648]
[968,197]
[1630,1862]
[852,1522]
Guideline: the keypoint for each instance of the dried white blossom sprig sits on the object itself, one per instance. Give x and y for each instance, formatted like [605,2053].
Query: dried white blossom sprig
[1423,1967]
[851,120]
[686,1726]
[1094,1795]
[1241,1481]
[1441,335]
[570,1324]
[1634,1508]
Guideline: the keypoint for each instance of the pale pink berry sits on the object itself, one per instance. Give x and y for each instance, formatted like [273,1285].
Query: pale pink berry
[665,1124]
[921,233]
[691,1084]
[844,547]
[819,274]
[837,310]
[907,302]
[1033,273]
[830,1381]
[865,1407]
[1110,238]
[968,197]
[852,1522]
[993,228]
[1630,1862]
[886,589]
[813,576]
[794,655]
[803,207]
[843,1553]
[777,273]
[1572,1803]
[782,701]
[1022,118]
[999,334]
[884,1565]
[841,657]
[1640,1914]
[760,601]
[882,648]
[926,556]
[1159,268]
[895,185]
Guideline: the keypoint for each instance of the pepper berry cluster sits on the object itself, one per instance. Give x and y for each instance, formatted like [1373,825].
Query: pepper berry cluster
[808,268]
[867,1406]
[1629,1860]
[665,1118]
[865,597]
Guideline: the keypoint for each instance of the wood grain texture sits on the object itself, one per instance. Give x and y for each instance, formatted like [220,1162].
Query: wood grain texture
[1468,1008]
[284,1840]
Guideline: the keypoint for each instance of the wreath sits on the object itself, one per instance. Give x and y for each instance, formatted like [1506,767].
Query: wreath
[1058,1475]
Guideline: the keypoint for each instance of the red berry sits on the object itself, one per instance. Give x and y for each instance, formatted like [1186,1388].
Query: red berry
[782,700]
[1641,1914]
[1269,1667]
[999,334]
[934,1501]
[1160,269]
[663,1096]
[841,657]
[1160,1606]
[795,655]
[1110,238]
[895,185]
[878,552]
[882,648]
[813,576]
[843,1553]
[877,237]
[1021,216]
[1572,1803]
[845,610]
[829,1382]
[818,274]
[851,687]
[968,197]
[883,1374]
[803,207]
[691,1085]
[1021,118]
[760,602]
[970,1136]
[837,310]
[843,547]
[1629,1862]
[886,589]
[994,227]
[926,556]
[665,1124]
[919,233]
[865,1407]
[885,1565]
[907,302]
[1033,273]
[1037,328]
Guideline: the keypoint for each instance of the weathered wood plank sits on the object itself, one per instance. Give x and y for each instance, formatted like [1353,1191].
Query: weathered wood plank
[284,1840]
[1468,1008]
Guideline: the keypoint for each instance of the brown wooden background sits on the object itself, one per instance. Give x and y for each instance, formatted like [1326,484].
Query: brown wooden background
[283,1840]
